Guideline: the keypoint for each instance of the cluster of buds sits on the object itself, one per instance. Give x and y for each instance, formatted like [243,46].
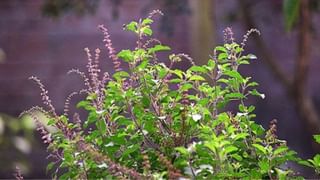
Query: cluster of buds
[271,136]
[84,77]
[44,94]
[18,174]
[228,35]
[67,103]
[46,100]
[150,41]
[185,101]
[109,46]
[93,69]
[126,84]
[94,84]
[246,36]
[155,12]
[234,121]
[173,173]
[273,128]
[146,162]
[105,79]
[187,57]
[77,121]
[114,168]
[219,128]
[45,135]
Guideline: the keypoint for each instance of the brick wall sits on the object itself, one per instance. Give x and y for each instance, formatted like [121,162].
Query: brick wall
[48,48]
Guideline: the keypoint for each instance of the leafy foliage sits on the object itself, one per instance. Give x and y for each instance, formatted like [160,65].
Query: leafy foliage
[154,121]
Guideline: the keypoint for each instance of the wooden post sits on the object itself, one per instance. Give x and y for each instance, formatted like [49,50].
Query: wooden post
[202,26]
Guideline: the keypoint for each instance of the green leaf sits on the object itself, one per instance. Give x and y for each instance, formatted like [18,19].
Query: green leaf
[143,65]
[211,145]
[316,160]
[256,93]
[251,84]
[264,165]
[126,55]
[139,53]
[176,80]
[119,139]
[147,31]
[234,74]
[145,101]
[222,56]
[50,166]
[291,12]
[132,26]
[92,117]
[51,122]
[222,80]
[242,108]
[234,96]
[130,149]
[178,72]
[257,129]
[157,48]
[138,111]
[241,136]
[211,63]
[282,175]
[186,87]
[120,74]
[238,49]
[280,150]
[221,48]
[150,125]
[305,163]
[147,21]
[237,157]
[102,126]
[182,150]
[65,175]
[203,101]
[230,149]
[260,148]
[251,108]
[162,72]
[83,104]
[251,56]
[243,62]
[196,78]
[122,121]
[317,138]
[198,69]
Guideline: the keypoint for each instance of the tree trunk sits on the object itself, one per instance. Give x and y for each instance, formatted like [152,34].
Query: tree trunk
[202,28]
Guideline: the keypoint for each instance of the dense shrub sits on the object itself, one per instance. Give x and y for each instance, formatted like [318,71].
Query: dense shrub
[154,121]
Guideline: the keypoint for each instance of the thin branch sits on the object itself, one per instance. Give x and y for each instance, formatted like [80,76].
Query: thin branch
[267,56]
[296,88]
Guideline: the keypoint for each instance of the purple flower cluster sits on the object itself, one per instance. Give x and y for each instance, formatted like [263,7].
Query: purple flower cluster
[111,50]
[228,35]
[246,36]
[44,94]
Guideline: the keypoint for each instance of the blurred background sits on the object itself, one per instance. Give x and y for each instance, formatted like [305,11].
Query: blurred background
[46,38]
